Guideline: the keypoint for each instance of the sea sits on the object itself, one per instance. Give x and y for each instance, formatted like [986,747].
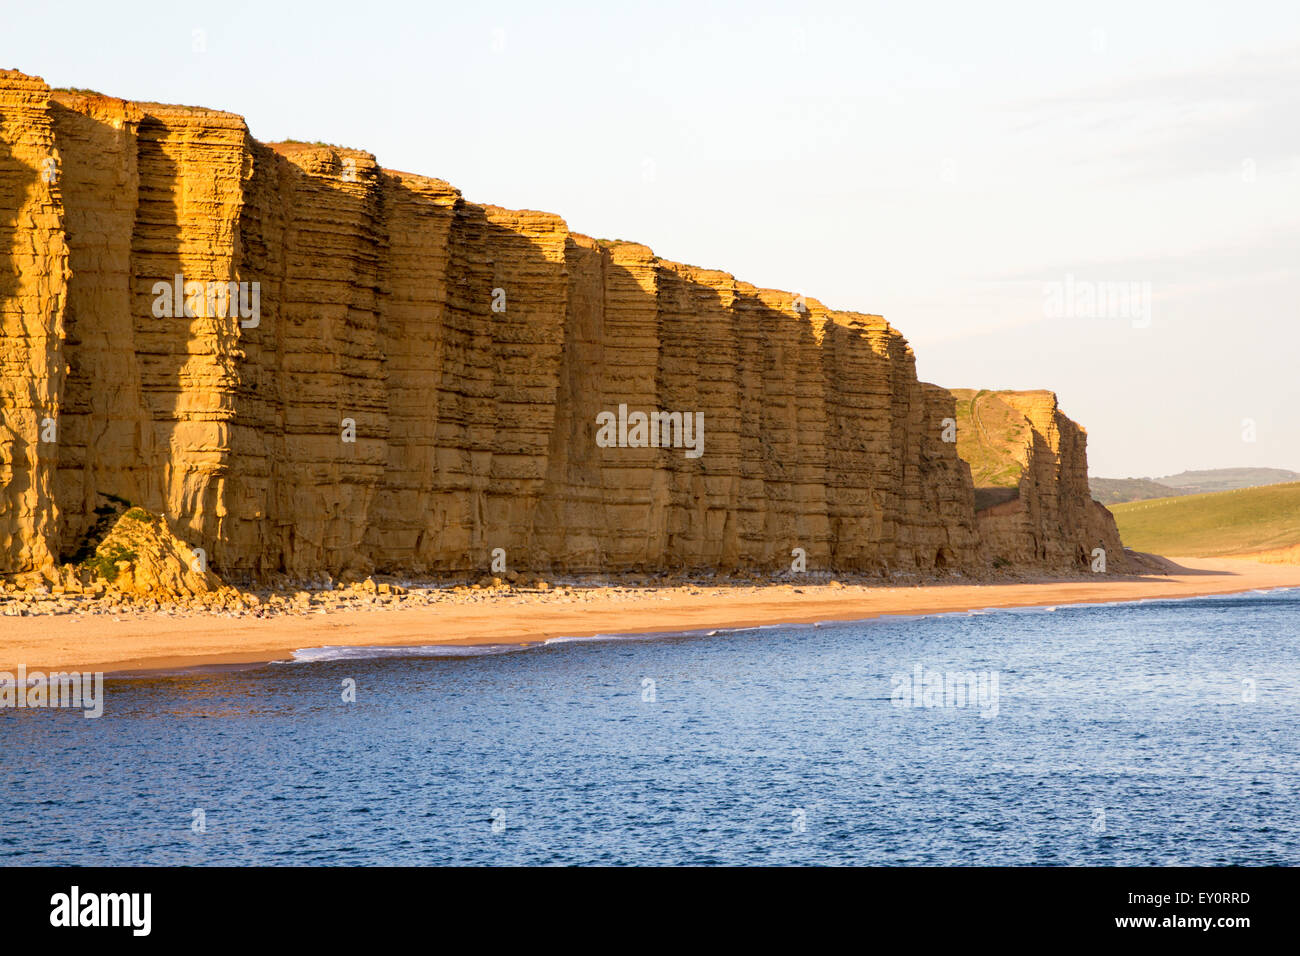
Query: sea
[1146,733]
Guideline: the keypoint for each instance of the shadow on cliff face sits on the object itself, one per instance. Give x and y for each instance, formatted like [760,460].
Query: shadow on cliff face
[367,320]
[16,181]
[790,403]
[25,524]
[570,521]
[106,440]
[873,455]
[628,341]
[310,420]
[74,478]
[987,498]
[260,517]
[163,345]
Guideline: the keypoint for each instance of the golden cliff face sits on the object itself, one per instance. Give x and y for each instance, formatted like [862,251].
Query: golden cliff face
[33,290]
[312,365]
[1030,469]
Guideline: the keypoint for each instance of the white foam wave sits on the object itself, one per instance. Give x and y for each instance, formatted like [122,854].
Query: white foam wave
[311,655]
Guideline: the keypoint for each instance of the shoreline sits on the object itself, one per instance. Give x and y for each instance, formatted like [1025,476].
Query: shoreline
[157,642]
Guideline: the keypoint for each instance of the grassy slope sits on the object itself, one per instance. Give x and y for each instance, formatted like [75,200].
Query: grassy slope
[1221,523]
[990,440]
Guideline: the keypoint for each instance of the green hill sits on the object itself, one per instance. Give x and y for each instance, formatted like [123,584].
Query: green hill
[1111,491]
[1115,490]
[1226,479]
[1212,525]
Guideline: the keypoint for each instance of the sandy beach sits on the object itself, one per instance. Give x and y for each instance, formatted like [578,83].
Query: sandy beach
[157,641]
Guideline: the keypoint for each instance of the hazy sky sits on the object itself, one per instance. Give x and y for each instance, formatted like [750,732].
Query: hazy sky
[954,167]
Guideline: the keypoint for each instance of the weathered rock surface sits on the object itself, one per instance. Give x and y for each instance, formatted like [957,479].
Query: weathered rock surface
[33,289]
[423,376]
[1029,464]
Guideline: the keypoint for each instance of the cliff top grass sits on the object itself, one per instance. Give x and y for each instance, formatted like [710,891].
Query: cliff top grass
[306,142]
[1213,525]
[991,437]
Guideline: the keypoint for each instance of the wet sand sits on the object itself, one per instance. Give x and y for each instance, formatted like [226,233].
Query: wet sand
[154,641]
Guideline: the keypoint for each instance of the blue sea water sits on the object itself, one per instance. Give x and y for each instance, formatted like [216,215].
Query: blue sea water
[1161,732]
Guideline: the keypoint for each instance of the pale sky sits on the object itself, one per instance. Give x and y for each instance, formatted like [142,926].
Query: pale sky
[941,164]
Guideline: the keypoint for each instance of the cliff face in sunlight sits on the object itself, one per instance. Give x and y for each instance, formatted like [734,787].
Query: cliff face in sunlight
[1030,468]
[310,364]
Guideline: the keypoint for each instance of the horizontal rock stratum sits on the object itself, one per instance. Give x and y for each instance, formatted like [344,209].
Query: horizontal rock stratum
[375,374]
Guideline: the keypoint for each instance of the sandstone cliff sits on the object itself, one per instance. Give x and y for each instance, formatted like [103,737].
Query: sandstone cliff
[412,380]
[1030,468]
